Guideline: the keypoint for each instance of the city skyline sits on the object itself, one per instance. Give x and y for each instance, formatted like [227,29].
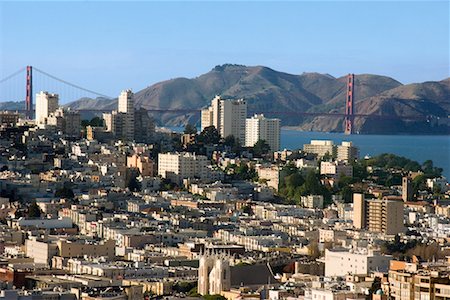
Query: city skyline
[96,45]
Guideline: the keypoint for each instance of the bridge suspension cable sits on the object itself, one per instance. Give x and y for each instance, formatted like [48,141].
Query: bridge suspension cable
[12,75]
[71,84]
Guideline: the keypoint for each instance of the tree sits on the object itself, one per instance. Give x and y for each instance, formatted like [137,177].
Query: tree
[312,184]
[214,297]
[65,192]
[313,250]
[96,122]
[209,135]
[190,129]
[233,143]
[34,211]
[261,148]
[131,181]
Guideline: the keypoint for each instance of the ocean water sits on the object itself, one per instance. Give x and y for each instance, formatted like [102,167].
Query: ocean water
[416,147]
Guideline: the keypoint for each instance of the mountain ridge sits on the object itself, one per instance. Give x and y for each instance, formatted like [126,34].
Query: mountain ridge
[266,90]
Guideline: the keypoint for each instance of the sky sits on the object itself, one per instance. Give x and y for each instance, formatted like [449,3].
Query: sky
[110,46]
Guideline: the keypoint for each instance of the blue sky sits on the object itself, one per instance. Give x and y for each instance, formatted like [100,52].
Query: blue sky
[109,46]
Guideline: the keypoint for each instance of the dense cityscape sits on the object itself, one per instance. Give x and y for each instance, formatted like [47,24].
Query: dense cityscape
[117,208]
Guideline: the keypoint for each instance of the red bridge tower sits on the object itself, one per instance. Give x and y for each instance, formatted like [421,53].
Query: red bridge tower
[348,123]
[29,94]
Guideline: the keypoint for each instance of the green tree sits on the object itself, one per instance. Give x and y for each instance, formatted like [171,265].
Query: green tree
[261,148]
[34,211]
[312,184]
[131,181]
[233,143]
[190,129]
[347,194]
[209,135]
[313,250]
[96,122]
[214,297]
[65,192]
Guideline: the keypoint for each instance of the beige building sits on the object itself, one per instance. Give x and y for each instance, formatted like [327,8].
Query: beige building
[321,147]
[143,163]
[336,169]
[126,106]
[179,166]
[312,201]
[43,250]
[213,274]
[9,118]
[228,116]
[361,261]
[347,152]
[359,211]
[46,103]
[66,121]
[260,128]
[378,215]
[411,281]
[271,175]
[127,123]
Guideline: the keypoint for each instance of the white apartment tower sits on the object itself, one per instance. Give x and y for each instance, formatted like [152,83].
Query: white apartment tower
[228,116]
[260,128]
[126,106]
[46,103]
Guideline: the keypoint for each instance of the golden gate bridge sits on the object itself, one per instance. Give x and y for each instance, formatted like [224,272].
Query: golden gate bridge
[34,79]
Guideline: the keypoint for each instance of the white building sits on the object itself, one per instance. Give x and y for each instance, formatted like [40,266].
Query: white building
[228,116]
[343,262]
[126,106]
[260,128]
[46,103]
[336,169]
[179,166]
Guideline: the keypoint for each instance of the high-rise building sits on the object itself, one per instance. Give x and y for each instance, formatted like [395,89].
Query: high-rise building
[407,189]
[378,215]
[144,126]
[260,128]
[128,123]
[46,103]
[359,211]
[126,106]
[228,116]
[347,152]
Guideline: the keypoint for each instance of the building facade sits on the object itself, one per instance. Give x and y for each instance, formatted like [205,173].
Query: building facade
[260,128]
[321,148]
[227,116]
[46,103]
[378,215]
[179,166]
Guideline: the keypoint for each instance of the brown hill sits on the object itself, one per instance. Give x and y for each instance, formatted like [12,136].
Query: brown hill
[268,90]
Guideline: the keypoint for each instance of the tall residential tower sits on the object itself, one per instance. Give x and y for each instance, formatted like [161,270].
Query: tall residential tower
[228,116]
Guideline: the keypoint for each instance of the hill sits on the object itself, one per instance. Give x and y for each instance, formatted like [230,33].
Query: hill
[268,90]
